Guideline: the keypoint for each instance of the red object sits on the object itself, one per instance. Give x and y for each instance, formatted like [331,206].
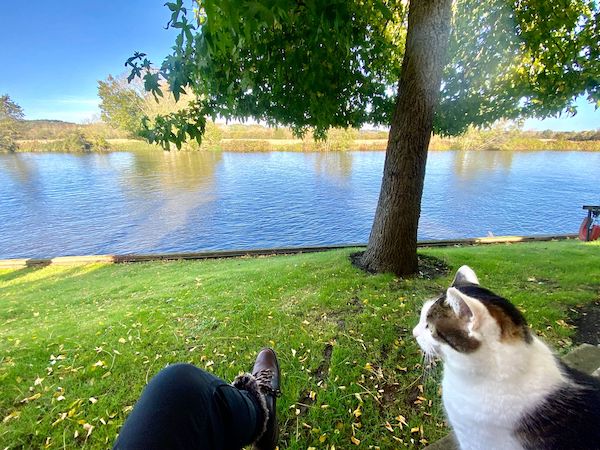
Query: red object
[595,234]
[583,229]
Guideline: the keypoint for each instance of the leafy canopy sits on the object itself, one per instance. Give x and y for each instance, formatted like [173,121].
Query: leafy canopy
[121,104]
[9,110]
[317,64]
[10,114]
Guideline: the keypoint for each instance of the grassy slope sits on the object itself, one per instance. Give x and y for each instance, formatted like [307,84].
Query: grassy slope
[101,331]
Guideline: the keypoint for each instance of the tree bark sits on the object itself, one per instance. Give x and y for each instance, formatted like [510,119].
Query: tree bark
[393,241]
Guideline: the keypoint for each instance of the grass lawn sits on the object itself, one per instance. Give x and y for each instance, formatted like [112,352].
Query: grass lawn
[78,344]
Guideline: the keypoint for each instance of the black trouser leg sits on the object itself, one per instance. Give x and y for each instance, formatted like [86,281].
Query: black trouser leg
[184,407]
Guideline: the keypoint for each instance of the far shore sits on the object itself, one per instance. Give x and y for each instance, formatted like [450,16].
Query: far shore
[309,145]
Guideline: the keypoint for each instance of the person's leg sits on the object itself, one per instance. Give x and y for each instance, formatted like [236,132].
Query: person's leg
[184,407]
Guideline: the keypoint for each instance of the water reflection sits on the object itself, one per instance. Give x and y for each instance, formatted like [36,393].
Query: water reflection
[335,165]
[22,170]
[134,202]
[165,189]
[175,170]
[469,165]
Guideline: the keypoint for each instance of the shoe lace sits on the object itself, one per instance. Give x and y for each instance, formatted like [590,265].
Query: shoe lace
[264,380]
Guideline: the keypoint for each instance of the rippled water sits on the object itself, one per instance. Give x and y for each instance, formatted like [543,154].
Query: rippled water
[140,202]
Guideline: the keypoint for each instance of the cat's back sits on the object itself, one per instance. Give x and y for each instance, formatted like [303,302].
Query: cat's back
[568,419]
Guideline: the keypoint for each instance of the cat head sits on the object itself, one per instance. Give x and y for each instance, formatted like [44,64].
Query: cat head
[468,317]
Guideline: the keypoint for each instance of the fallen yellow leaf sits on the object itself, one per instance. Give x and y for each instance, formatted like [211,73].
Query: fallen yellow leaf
[32,398]
[401,420]
[89,428]
[11,416]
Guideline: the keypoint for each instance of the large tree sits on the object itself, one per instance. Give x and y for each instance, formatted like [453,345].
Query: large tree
[121,103]
[315,64]
[10,114]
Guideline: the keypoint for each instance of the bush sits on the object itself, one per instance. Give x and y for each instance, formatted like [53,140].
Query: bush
[77,141]
[210,141]
[338,139]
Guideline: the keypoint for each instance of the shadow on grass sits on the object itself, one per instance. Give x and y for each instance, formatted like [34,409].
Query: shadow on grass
[14,274]
[56,278]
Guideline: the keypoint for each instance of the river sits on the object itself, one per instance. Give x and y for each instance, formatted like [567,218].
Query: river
[55,204]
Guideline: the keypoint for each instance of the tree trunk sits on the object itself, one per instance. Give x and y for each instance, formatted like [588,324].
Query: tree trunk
[393,241]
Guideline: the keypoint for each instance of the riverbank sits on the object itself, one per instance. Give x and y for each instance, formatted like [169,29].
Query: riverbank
[299,145]
[80,342]
[47,136]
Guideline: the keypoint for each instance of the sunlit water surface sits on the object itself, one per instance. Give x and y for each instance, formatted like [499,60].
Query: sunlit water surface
[55,204]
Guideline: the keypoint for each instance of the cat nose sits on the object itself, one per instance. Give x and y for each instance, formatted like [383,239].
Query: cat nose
[416,331]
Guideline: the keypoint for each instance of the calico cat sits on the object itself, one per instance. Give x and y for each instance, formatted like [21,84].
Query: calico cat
[503,388]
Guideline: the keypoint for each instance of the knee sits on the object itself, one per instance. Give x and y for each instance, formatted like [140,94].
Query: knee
[181,381]
[178,375]
[181,372]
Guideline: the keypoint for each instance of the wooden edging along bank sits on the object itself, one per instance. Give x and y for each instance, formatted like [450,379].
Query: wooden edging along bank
[89,259]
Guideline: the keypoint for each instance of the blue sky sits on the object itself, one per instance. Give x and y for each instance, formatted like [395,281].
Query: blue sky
[53,54]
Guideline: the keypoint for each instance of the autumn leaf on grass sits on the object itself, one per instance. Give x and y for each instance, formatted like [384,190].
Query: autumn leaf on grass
[13,415]
[86,426]
[401,421]
[354,440]
[564,324]
[61,417]
[32,398]
[89,429]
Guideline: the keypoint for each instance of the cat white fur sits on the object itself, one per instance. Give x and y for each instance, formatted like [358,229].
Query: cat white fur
[486,392]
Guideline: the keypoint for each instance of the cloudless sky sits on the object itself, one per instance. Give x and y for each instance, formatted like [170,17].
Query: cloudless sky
[54,53]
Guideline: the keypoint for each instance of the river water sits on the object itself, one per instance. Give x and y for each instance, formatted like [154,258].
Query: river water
[54,204]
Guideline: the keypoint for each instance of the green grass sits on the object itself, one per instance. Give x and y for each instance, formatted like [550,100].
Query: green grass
[100,332]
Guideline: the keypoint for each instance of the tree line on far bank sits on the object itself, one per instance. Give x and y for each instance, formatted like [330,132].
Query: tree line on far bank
[55,135]
[120,101]
[124,106]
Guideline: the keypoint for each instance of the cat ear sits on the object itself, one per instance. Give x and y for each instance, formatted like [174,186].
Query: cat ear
[466,307]
[464,275]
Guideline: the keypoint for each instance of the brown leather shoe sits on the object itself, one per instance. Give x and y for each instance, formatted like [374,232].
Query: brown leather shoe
[266,372]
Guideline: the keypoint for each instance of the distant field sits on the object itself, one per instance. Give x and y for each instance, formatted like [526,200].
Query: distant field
[298,145]
[51,136]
